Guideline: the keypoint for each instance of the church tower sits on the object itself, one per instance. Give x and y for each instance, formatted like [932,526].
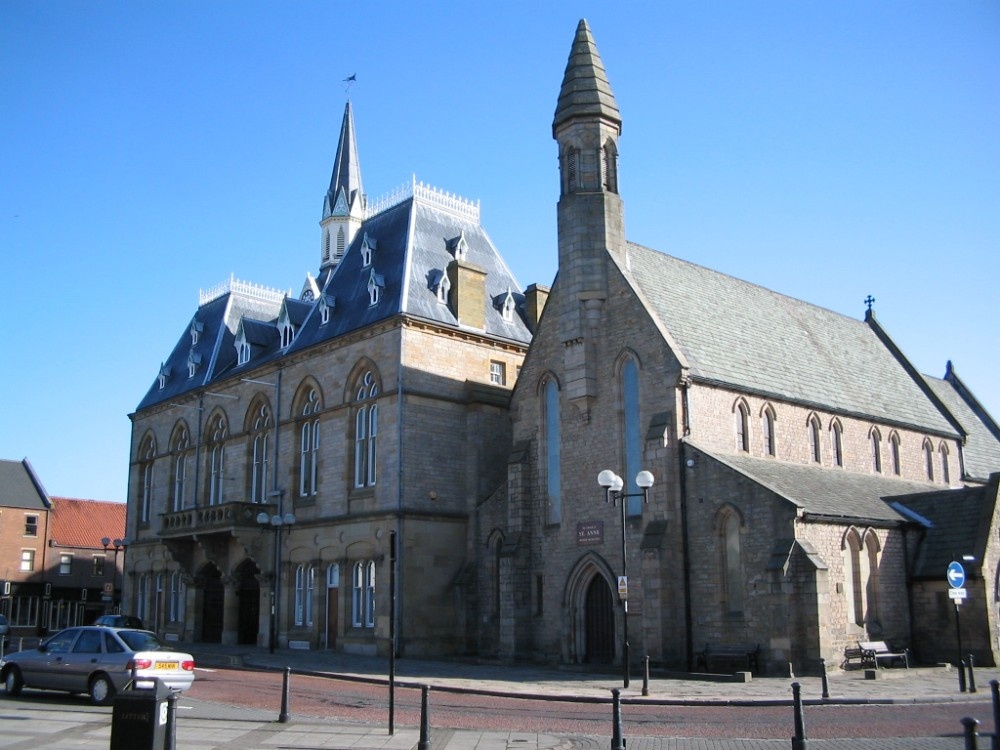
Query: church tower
[590,213]
[345,202]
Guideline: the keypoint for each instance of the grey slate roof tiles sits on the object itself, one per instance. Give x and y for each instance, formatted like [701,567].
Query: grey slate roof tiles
[745,336]
[982,447]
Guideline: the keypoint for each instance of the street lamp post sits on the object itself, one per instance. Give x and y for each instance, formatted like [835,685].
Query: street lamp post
[275,523]
[122,545]
[613,490]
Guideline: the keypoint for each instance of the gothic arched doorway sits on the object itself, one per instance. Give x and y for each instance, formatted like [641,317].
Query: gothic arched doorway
[213,599]
[248,591]
[599,623]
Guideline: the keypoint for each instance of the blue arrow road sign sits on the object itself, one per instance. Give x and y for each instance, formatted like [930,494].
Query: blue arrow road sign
[956,575]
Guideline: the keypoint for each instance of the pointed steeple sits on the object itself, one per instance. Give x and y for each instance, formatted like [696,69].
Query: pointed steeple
[345,201]
[586,91]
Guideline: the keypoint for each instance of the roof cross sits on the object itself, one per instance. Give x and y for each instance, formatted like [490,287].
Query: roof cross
[869,300]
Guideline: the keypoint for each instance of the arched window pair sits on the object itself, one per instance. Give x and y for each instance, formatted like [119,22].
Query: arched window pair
[366,430]
[861,553]
[741,412]
[309,444]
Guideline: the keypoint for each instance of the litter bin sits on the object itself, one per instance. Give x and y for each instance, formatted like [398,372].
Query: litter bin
[139,716]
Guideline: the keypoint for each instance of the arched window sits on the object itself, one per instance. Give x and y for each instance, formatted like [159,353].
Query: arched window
[571,170]
[309,445]
[216,460]
[365,430]
[363,594]
[732,565]
[633,434]
[853,585]
[815,447]
[929,460]
[305,589]
[945,471]
[341,242]
[326,245]
[876,441]
[767,429]
[552,462]
[146,454]
[178,593]
[894,453]
[837,443]
[742,415]
[179,448]
[609,166]
[260,436]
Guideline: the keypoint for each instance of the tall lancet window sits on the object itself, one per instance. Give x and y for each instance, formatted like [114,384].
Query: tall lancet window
[609,166]
[552,463]
[633,436]
[260,435]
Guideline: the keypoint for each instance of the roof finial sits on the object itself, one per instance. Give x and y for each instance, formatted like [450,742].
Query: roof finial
[869,300]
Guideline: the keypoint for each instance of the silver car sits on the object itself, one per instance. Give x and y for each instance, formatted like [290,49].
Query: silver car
[99,661]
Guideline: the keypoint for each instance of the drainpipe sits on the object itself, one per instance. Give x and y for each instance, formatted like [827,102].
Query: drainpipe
[685,541]
[400,563]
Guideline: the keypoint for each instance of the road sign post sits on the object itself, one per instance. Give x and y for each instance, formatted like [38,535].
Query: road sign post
[955,575]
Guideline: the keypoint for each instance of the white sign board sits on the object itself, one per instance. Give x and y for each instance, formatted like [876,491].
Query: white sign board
[957,594]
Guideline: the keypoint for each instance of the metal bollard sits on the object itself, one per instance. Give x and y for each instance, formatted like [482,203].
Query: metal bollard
[645,677]
[970,725]
[972,674]
[424,743]
[995,690]
[617,740]
[170,730]
[799,741]
[825,679]
[283,717]
[961,675]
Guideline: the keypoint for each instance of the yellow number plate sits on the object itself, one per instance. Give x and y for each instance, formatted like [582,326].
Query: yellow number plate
[166,665]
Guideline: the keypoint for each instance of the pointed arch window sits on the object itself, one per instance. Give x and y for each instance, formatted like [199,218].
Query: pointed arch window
[326,245]
[341,244]
[742,415]
[443,287]
[508,306]
[216,460]
[815,445]
[309,445]
[945,471]
[894,453]
[376,284]
[260,436]
[609,166]
[732,563]
[861,577]
[553,468]
[929,460]
[368,247]
[147,453]
[179,448]
[366,430]
[837,442]
[767,428]
[876,444]
[632,433]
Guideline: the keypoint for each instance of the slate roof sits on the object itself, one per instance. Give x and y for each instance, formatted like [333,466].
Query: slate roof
[412,239]
[744,336]
[585,89]
[20,486]
[823,491]
[981,452]
[958,521]
[83,523]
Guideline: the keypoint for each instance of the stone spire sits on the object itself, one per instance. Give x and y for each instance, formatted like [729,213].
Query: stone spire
[591,215]
[345,201]
[585,90]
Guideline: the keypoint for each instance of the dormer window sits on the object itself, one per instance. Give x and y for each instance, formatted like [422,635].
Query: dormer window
[376,283]
[242,347]
[326,304]
[368,245]
[196,328]
[194,360]
[459,246]
[443,287]
[508,307]
[161,379]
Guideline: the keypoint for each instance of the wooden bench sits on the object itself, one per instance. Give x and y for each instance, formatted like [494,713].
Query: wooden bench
[730,653]
[873,653]
[852,655]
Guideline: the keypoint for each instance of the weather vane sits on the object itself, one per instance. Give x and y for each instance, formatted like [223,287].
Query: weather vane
[350,81]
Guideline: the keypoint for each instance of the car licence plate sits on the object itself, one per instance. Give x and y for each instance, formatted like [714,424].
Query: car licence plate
[166,665]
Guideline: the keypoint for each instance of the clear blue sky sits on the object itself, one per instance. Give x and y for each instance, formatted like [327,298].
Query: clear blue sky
[828,150]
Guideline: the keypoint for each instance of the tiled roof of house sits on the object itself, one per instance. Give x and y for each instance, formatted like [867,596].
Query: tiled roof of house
[83,523]
[20,487]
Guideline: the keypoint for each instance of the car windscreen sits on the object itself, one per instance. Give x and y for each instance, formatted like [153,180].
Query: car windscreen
[140,640]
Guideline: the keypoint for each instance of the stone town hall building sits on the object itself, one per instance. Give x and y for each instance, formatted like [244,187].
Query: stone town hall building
[810,486]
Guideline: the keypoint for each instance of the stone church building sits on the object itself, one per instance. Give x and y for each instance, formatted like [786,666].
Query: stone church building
[780,475]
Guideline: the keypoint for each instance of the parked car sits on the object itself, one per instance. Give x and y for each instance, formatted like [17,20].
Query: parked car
[120,621]
[97,660]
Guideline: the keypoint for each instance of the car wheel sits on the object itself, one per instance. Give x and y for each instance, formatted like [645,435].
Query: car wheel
[102,690]
[12,682]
